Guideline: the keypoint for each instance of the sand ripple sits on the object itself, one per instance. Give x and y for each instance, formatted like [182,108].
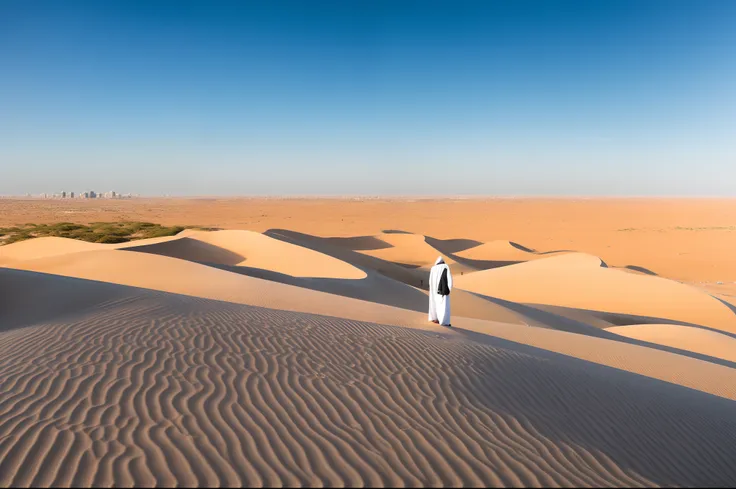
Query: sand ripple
[161,389]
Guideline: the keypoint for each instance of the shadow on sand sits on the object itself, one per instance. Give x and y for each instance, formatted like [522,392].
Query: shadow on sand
[191,250]
[373,288]
[640,269]
[359,243]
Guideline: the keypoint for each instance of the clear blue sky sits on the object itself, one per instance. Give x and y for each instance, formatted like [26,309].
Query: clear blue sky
[369,97]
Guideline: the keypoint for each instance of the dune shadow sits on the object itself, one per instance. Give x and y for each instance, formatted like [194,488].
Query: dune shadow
[548,319]
[552,252]
[449,246]
[617,319]
[191,250]
[359,243]
[374,288]
[30,297]
[413,277]
[726,303]
[640,269]
[484,264]
[620,319]
[395,231]
[522,247]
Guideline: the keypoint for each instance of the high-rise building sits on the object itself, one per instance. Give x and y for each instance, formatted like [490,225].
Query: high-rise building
[71,195]
[63,194]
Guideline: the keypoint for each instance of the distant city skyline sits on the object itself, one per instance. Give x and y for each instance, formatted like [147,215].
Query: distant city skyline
[86,194]
[191,98]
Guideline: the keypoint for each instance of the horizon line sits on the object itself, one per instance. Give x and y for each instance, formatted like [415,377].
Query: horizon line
[383,196]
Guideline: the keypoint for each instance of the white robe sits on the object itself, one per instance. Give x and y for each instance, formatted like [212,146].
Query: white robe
[439,305]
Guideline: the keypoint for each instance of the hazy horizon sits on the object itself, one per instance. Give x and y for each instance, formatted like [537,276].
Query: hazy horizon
[622,98]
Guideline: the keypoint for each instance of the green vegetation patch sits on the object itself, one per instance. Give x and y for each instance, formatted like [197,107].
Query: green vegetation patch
[96,232]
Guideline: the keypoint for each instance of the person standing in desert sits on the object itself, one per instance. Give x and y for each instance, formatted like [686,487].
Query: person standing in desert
[440,285]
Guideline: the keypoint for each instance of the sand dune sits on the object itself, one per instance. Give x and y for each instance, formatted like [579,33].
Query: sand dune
[412,250]
[192,278]
[689,338]
[255,250]
[337,248]
[376,289]
[499,253]
[216,247]
[32,249]
[577,280]
[184,277]
[43,247]
[153,388]
[499,250]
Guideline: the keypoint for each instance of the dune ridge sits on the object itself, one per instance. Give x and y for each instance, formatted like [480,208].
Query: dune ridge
[163,273]
[237,248]
[581,281]
[413,250]
[500,253]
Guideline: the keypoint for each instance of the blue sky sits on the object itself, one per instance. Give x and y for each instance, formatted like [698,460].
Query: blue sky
[369,97]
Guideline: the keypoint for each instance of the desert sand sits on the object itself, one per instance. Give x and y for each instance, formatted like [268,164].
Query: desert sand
[293,348]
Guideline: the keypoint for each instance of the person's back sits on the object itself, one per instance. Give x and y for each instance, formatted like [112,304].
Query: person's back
[440,286]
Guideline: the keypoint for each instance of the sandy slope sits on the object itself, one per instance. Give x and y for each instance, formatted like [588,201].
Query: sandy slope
[51,246]
[43,247]
[501,249]
[60,256]
[217,247]
[331,275]
[151,388]
[183,277]
[463,303]
[577,280]
[699,374]
[499,253]
[683,337]
[248,248]
[180,276]
[412,250]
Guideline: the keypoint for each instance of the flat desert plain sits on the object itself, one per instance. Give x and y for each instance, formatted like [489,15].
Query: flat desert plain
[593,344]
